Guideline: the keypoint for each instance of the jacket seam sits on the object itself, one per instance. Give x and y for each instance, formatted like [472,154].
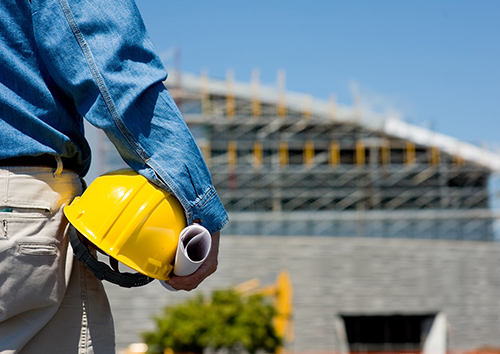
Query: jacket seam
[99,80]
[206,198]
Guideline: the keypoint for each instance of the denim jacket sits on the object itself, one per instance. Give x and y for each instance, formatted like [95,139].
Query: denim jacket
[62,60]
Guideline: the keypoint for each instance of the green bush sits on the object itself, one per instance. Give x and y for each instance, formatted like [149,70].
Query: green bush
[227,320]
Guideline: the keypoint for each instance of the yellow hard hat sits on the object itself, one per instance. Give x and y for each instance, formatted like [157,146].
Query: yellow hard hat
[124,215]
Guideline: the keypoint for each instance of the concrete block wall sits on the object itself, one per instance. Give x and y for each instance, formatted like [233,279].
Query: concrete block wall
[333,276]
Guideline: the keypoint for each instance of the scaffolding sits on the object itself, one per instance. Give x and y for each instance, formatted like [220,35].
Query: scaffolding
[288,164]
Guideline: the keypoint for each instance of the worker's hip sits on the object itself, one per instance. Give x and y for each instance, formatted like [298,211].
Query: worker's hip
[35,263]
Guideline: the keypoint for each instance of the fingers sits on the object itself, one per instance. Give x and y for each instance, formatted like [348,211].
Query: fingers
[192,281]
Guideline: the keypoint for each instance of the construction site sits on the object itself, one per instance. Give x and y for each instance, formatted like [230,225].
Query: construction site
[342,171]
[385,228]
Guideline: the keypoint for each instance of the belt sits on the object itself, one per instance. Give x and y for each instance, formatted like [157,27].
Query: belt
[44,160]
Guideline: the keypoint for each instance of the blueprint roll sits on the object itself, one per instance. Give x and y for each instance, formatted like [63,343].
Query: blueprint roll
[193,248]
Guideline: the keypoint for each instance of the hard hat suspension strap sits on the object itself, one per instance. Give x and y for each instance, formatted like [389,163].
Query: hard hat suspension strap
[101,270]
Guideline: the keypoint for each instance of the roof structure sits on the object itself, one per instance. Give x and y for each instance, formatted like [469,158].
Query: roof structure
[385,123]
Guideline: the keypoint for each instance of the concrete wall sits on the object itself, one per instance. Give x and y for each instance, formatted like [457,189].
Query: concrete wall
[350,276]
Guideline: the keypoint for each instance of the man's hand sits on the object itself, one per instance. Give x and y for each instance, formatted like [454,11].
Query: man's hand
[208,267]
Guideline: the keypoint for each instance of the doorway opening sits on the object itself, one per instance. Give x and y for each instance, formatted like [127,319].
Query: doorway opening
[387,333]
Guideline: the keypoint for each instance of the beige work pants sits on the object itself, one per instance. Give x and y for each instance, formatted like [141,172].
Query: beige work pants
[49,302]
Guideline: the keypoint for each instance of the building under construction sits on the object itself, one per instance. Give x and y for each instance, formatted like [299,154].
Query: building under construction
[287,164]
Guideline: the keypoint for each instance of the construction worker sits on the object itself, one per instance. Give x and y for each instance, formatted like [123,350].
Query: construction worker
[61,60]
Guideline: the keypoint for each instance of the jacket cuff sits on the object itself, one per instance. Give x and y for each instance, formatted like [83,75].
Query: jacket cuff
[209,212]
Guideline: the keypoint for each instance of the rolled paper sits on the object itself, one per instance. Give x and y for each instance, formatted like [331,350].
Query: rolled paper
[193,248]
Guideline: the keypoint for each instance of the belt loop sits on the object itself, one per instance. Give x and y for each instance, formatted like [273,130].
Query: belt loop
[59,168]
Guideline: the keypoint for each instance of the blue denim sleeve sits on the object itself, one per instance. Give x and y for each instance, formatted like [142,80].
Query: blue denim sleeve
[98,52]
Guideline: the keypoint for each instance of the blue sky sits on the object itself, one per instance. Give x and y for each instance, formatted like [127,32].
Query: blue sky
[436,62]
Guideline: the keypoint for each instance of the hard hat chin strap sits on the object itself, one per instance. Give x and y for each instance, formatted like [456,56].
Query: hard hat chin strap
[101,270]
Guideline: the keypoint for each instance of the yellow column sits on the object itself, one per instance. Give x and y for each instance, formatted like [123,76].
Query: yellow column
[434,156]
[410,153]
[232,153]
[257,155]
[360,153]
[309,153]
[283,153]
[334,157]
[458,160]
[385,153]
